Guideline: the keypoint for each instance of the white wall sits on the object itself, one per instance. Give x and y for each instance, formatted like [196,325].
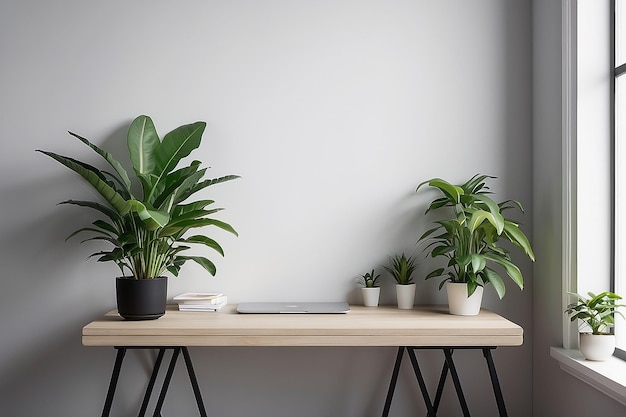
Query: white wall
[331,111]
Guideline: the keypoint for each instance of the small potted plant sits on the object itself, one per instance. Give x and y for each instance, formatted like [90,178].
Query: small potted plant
[469,241]
[370,290]
[147,230]
[401,269]
[597,314]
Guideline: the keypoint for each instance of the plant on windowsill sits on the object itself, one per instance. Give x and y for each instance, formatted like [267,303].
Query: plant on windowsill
[147,231]
[370,290]
[469,241]
[401,269]
[596,313]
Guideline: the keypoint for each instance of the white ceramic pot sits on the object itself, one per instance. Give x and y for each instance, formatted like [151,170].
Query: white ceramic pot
[371,296]
[597,347]
[458,301]
[405,294]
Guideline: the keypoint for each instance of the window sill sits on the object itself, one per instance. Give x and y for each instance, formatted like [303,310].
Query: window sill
[608,377]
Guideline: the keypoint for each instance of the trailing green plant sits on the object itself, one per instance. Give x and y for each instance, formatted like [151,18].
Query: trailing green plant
[147,231]
[597,311]
[469,240]
[401,268]
[369,279]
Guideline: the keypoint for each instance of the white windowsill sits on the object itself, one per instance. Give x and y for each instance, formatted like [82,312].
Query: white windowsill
[608,377]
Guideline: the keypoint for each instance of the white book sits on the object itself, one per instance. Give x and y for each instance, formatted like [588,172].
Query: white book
[200,298]
[201,307]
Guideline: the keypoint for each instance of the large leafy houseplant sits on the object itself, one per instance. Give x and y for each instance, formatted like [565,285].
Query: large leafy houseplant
[147,230]
[470,239]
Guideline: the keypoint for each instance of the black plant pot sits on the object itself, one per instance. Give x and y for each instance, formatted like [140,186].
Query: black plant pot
[141,299]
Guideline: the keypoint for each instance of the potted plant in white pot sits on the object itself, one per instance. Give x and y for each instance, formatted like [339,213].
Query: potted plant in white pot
[469,241]
[370,290]
[402,268]
[597,314]
[147,230]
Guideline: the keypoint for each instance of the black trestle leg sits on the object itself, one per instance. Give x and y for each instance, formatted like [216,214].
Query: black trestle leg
[420,381]
[194,382]
[440,386]
[394,380]
[149,388]
[457,383]
[495,383]
[113,384]
[166,382]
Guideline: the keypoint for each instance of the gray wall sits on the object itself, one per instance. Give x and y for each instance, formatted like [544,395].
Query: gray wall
[555,393]
[331,111]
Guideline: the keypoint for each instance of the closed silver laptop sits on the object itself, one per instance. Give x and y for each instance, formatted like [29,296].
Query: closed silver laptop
[293,308]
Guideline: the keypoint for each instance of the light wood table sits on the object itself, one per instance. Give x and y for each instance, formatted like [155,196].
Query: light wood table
[425,327]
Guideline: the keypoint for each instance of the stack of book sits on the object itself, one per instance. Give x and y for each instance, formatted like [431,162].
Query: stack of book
[200,301]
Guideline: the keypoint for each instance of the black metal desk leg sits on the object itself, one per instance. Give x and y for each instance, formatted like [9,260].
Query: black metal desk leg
[194,381]
[155,372]
[113,384]
[457,382]
[422,384]
[166,382]
[440,386]
[394,379]
[494,381]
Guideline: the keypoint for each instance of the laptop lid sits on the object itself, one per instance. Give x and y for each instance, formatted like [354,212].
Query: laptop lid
[292,308]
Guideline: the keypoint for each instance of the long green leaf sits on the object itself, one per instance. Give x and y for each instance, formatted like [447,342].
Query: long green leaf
[511,269]
[107,192]
[204,262]
[494,279]
[515,235]
[176,145]
[123,175]
[452,192]
[203,240]
[143,141]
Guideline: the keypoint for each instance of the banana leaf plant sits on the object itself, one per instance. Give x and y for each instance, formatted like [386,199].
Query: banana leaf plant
[469,239]
[147,231]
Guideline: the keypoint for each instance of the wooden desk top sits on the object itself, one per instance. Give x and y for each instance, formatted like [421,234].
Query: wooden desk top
[362,326]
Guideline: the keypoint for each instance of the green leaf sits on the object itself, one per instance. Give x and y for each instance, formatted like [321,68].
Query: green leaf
[494,279]
[142,140]
[176,145]
[203,240]
[452,192]
[152,219]
[123,175]
[515,235]
[477,218]
[478,263]
[511,269]
[204,262]
[496,220]
[93,177]
[112,214]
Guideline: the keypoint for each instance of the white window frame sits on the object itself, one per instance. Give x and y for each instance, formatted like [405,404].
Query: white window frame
[620,177]
[587,245]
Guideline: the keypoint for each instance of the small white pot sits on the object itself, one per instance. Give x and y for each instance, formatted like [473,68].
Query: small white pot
[405,295]
[458,301]
[597,347]
[370,296]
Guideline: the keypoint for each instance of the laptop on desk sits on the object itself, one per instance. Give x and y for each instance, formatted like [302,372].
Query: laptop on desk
[293,308]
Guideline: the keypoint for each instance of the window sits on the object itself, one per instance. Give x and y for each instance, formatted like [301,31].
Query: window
[619,127]
[594,158]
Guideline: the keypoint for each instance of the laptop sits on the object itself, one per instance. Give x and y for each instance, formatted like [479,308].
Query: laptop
[293,308]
